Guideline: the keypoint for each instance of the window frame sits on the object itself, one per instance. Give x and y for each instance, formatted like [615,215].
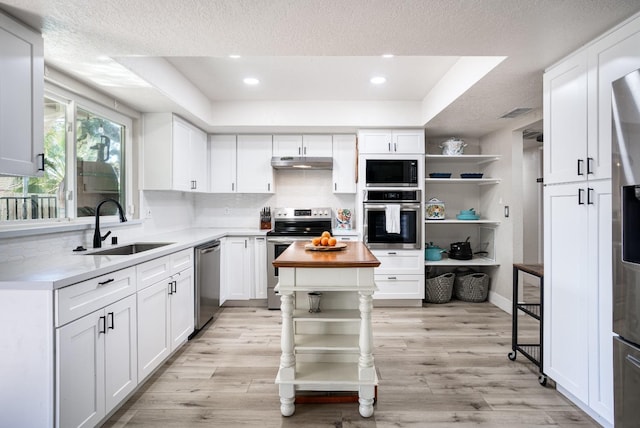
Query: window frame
[73,101]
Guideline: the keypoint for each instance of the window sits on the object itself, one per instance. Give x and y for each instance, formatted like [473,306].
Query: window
[32,198]
[77,176]
[99,169]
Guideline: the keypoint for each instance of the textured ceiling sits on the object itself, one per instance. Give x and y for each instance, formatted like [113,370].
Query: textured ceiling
[533,34]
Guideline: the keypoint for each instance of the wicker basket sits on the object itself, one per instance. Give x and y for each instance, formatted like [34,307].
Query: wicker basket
[472,288]
[439,288]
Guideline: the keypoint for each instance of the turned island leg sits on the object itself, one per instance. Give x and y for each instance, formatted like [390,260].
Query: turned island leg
[366,370]
[287,359]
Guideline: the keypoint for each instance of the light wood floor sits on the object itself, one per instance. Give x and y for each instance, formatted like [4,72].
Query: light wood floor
[439,366]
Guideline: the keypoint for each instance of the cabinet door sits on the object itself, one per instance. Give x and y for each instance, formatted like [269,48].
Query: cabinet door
[239,269]
[199,160]
[222,152]
[182,308]
[375,141]
[260,263]
[611,58]
[566,324]
[395,262]
[153,327]
[410,141]
[565,121]
[287,145]
[317,146]
[399,287]
[255,174]
[181,179]
[121,351]
[21,103]
[80,371]
[600,274]
[344,164]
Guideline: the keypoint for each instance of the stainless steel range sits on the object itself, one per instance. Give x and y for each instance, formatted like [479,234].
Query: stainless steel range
[289,225]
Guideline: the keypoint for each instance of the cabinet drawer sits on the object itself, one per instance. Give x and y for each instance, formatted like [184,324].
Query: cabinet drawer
[80,299]
[182,260]
[148,273]
[400,262]
[399,287]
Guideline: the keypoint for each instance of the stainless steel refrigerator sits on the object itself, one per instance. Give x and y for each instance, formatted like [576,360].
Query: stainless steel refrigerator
[626,248]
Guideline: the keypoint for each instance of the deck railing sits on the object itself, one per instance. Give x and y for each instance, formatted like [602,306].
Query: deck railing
[31,207]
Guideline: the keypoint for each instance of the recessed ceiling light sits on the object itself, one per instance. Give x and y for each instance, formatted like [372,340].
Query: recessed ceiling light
[234,56]
[378,80]
[251,81]
[387,56]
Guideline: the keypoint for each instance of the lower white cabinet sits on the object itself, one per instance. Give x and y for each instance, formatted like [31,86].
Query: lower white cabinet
[578,348]
[96,363]
[260,264]
[400,274]
[165,310]
[238,268]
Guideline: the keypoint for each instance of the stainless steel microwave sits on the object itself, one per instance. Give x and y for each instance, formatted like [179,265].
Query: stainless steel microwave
[391,173]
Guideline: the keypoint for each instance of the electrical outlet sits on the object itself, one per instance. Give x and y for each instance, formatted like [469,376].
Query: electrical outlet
[227,211]
[148,215]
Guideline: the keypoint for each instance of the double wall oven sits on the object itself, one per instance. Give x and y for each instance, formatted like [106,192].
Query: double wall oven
[289,225]
[406,206]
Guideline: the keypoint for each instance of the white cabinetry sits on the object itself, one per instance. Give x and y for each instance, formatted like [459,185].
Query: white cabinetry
[165,308]
[302,145]
[391,141]
[578,308]
[260,259]
[400,274]
[344,163]
[460,194]
[241,164]
[238,272]
[175,154]
[577,302]
[21,103]
[565,124]
[95,354]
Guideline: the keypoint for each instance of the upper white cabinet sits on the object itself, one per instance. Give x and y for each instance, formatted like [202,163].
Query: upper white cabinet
[241,164]
[344,163]
[565,123]
[21,103]
[391,141]
[175,154]
[302,145]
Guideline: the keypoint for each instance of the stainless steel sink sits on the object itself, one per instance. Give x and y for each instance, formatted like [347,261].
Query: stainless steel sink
[126,250]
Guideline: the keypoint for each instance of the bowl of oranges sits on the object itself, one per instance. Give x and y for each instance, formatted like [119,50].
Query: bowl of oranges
[325,242]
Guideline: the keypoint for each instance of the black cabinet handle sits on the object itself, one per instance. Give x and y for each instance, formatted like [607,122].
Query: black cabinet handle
[580,192]
[41,167]
[580,162]
[589,165]
[589,198]
[102,320]
[106,282]
[110,314]
[170,287]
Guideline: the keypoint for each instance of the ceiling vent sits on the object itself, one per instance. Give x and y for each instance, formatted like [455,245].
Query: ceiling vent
[516,112]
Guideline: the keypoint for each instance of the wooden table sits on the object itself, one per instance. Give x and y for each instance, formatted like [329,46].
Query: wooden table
[331,350]
[532,351]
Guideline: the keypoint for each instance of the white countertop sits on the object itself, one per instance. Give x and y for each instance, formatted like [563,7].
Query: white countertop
[52,272]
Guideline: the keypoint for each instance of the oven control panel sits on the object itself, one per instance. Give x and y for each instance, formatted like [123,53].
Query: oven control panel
[302,213]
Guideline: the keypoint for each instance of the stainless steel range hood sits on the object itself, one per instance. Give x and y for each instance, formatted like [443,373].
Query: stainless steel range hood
[293,162]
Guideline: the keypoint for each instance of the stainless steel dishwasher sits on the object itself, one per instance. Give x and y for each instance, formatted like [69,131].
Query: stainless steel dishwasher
[207,282]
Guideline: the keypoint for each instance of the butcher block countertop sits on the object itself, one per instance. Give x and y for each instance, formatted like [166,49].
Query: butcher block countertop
[355,255]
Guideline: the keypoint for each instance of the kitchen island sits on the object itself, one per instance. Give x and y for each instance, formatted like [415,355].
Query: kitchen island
[331,349]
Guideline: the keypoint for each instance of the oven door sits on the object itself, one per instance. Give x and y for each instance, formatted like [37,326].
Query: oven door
[275,247]
[375,231]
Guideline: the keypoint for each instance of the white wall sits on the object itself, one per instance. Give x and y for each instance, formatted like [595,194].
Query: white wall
[293,188]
